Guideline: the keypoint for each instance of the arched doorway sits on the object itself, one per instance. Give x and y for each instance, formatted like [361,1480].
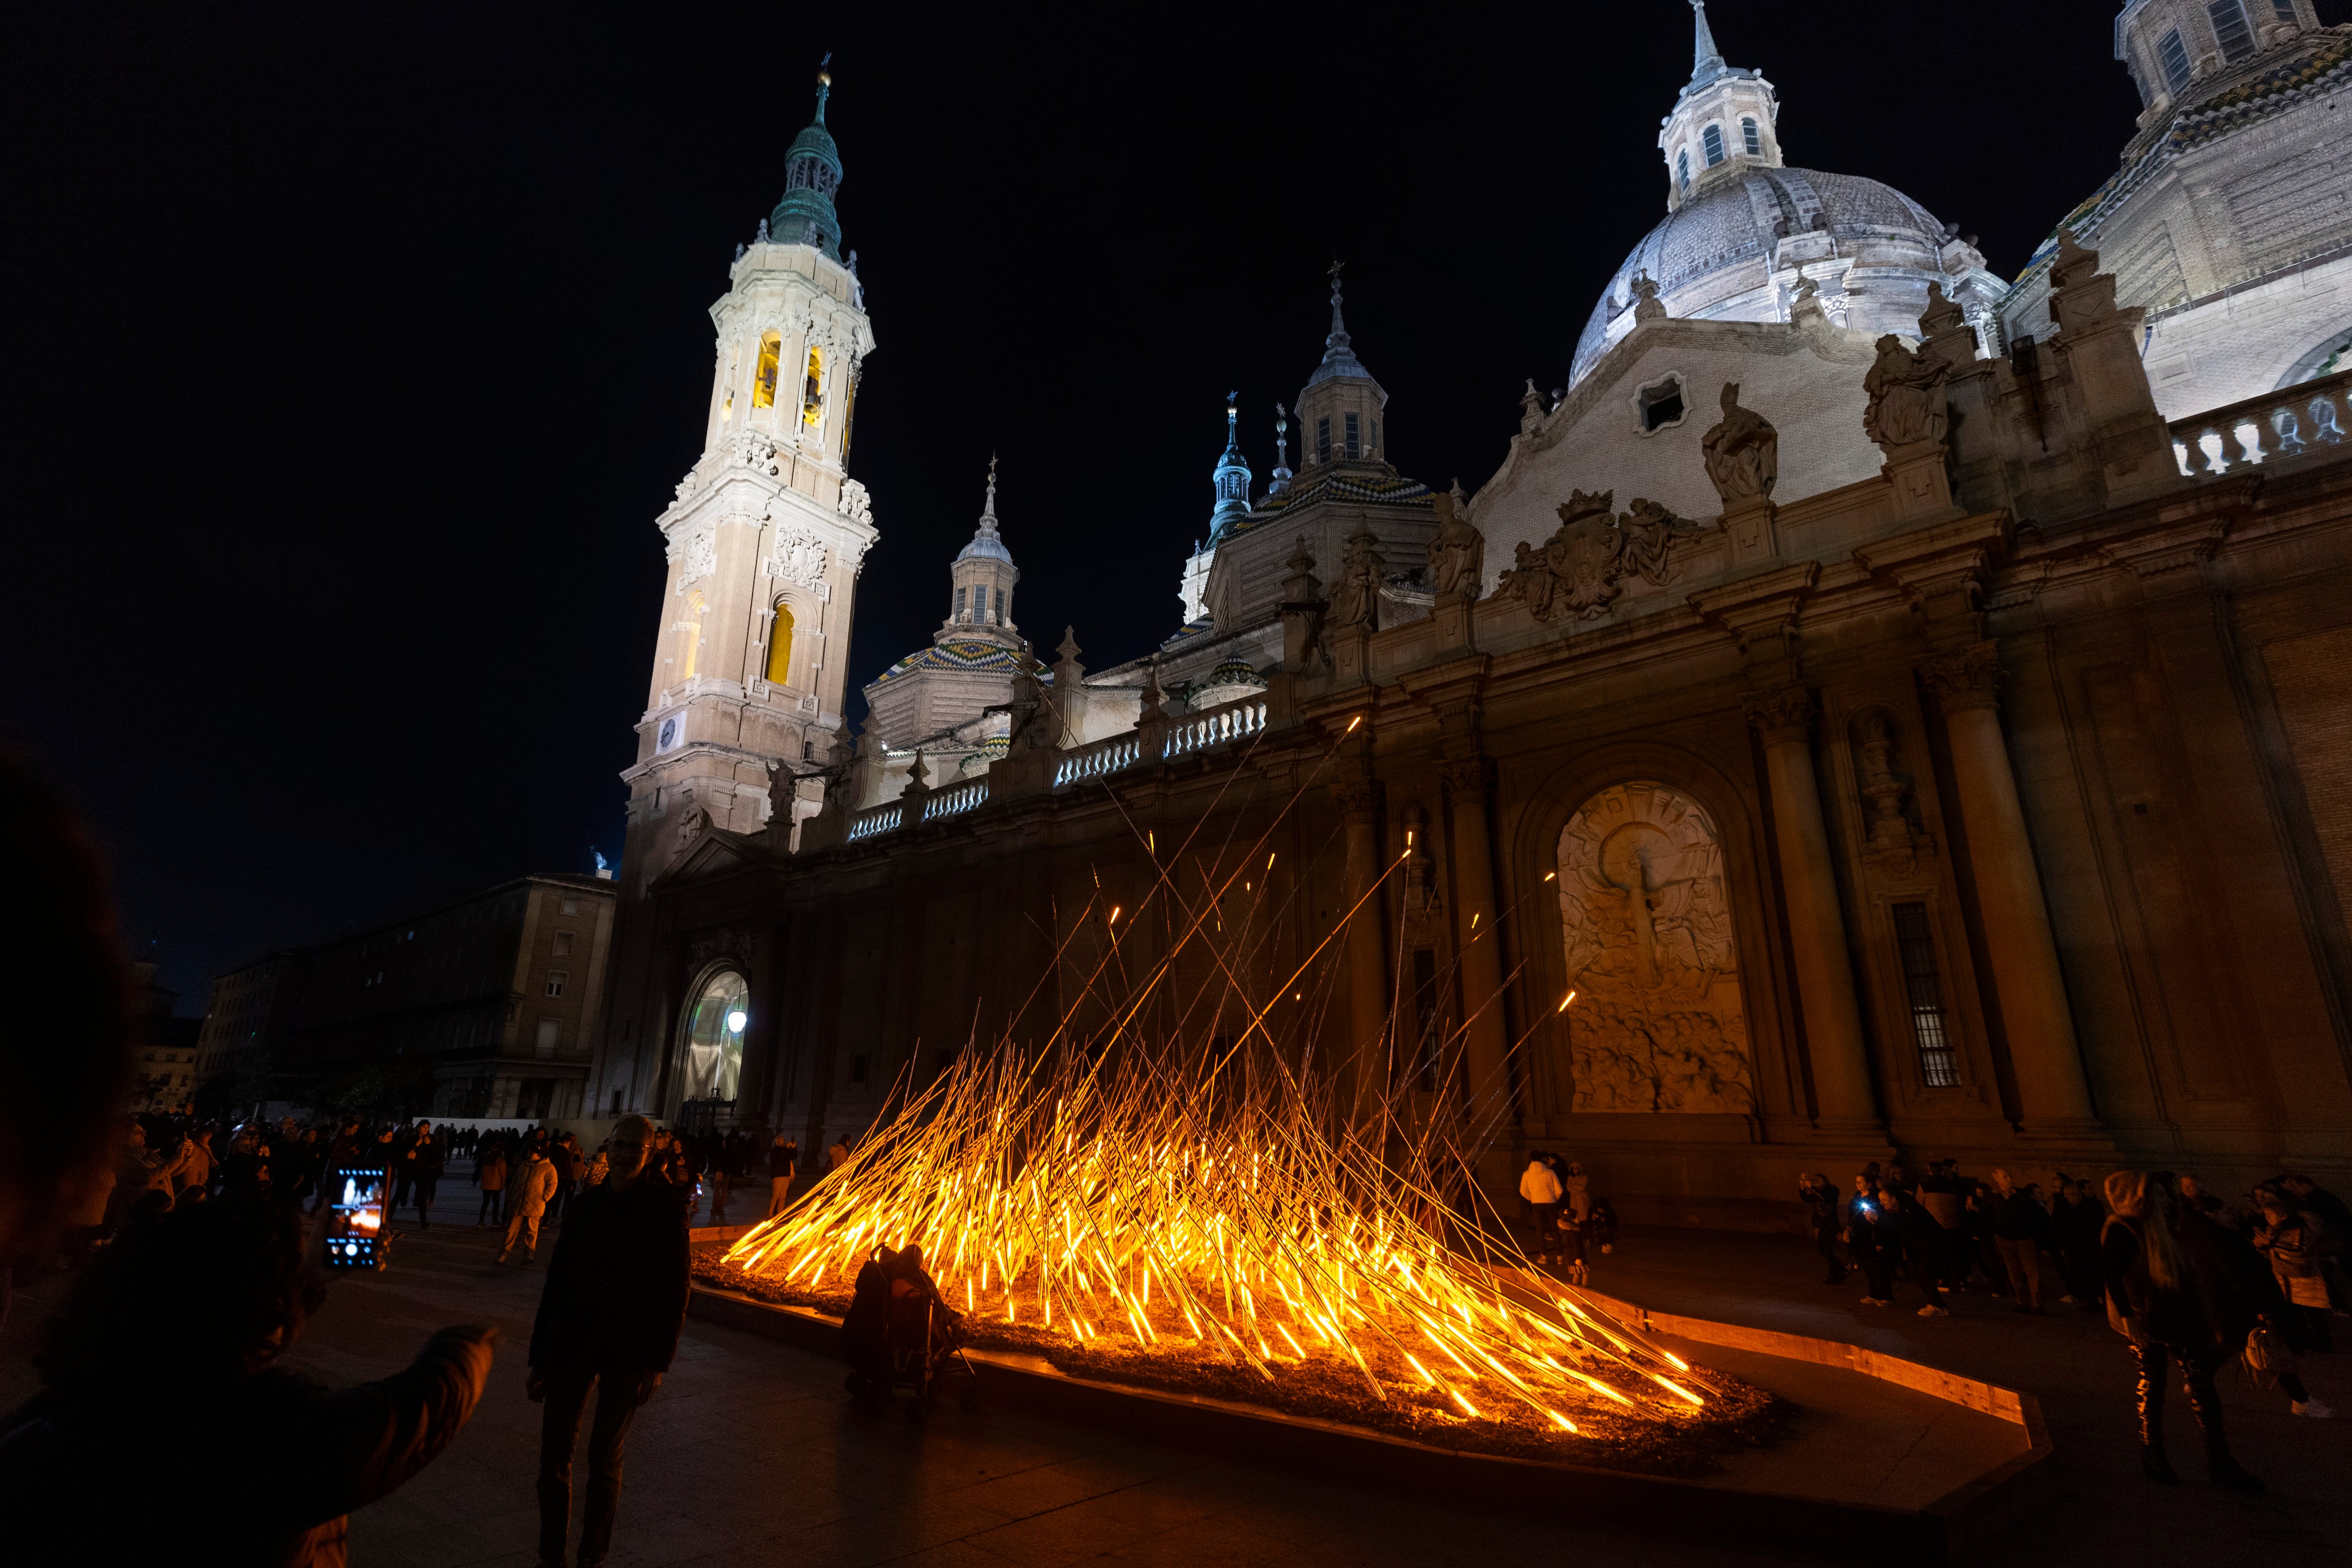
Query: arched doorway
[712,1069]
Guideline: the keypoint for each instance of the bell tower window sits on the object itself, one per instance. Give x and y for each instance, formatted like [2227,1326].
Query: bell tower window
[763,387]
[1323,439]
[812,389]
[2173,55]
[1752,138]
[1712,139]
[1354,446]
[780,647]
[1682,168]
[961,594]
[2229,29]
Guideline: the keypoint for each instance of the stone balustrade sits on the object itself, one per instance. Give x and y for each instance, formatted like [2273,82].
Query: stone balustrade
[2292,422]
[1102,758]
[876,820]
[957,798]
[1200,731]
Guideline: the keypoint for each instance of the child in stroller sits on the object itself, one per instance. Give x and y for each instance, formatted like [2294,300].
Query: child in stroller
[898,1333]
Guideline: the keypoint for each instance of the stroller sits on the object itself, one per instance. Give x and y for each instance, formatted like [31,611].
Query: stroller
[899,1335]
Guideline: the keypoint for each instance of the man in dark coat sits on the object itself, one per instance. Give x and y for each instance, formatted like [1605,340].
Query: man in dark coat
[608,1320]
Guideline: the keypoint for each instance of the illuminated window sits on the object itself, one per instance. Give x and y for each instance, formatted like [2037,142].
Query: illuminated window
[780,647]
[848,412]
[1682,167]
[1354,445]
[1940,1066]
[1712,139]
[812,389]
[2229,28]
[1323,439]
[690,661]
[1752,137]
[763,389]
[2174,56]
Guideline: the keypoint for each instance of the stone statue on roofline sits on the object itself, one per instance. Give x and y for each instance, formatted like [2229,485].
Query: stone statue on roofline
[1906,397]
[1356,597]
[1457,552]
[1743,453]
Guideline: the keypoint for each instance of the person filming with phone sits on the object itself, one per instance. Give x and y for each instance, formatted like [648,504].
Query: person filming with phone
[609,1319]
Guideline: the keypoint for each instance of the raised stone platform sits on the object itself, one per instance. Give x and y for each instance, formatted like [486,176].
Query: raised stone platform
[1886,1457]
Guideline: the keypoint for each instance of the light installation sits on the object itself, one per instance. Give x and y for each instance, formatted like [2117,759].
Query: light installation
[1124,1191]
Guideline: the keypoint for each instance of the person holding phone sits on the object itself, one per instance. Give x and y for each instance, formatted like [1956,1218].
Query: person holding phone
[609,1320]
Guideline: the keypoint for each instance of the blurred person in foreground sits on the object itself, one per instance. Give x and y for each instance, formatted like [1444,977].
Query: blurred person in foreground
[65,1059]
[201,1301]
[609,1319]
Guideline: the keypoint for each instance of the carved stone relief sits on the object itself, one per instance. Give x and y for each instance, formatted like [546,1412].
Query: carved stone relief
[696,549]
[1658,1023]
[1579,572]
[798,557]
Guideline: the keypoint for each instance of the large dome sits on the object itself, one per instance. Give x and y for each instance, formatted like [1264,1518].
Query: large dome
[1715,257]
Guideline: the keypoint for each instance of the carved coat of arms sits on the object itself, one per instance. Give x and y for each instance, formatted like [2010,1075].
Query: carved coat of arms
[1580,569]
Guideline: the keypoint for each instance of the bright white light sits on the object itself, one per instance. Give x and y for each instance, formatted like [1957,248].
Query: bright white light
[735,1020]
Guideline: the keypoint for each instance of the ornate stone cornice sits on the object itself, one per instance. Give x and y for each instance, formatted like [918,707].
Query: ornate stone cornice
[1781,715]
[1965,678]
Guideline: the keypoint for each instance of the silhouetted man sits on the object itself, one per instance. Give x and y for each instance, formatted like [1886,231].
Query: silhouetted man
[608,1319]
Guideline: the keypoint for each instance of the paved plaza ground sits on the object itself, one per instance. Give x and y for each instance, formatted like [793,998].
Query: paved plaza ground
[750,1454]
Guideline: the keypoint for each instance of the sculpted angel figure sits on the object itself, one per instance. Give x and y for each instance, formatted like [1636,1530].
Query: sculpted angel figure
[1743,452]
[1457,555]
[1907,396]
[1529,576]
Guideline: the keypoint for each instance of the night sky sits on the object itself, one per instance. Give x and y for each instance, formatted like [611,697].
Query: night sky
[356,347]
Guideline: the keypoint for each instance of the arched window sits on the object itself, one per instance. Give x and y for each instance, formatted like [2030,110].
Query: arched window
[813,388]
[1682,167]
[2173,55]
[763,388]
[780,647]
[714,1037]
[1712,138]
[1752,137]
[2229,29]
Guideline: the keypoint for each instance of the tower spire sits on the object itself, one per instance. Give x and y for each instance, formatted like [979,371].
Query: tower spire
[1707,60]
[1232,477]
[813,173]
[1338,338]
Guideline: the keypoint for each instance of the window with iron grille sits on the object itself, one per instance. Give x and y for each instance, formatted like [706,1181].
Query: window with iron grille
[1939,1065]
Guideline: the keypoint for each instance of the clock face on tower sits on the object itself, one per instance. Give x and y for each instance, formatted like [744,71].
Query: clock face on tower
[667,737]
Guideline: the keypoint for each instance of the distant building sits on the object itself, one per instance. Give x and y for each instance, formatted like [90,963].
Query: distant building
[165,1072]
[480,1008]
[240,1034]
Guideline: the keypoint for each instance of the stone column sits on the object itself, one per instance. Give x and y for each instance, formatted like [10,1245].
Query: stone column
[2053,1097]
[1485,1043]
[1363,1072]
[1817,952]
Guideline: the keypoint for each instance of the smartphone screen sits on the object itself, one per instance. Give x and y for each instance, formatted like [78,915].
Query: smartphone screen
[355,1218]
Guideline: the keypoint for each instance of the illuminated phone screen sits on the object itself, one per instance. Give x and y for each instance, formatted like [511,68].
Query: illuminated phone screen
[355,1218]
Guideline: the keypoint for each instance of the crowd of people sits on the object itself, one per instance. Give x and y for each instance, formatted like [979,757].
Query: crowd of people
[1570,1220]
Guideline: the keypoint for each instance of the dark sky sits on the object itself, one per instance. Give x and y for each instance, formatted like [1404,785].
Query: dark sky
[357,347]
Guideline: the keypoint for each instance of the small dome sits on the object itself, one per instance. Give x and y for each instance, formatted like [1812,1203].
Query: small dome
[1718,247]
[964,654]
[985,547]
[1234,673]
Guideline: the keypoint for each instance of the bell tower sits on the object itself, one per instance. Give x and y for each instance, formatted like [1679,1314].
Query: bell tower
[1723,122]
[764,539]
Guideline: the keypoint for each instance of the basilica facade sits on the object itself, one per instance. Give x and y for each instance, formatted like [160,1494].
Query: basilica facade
[1876,709]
